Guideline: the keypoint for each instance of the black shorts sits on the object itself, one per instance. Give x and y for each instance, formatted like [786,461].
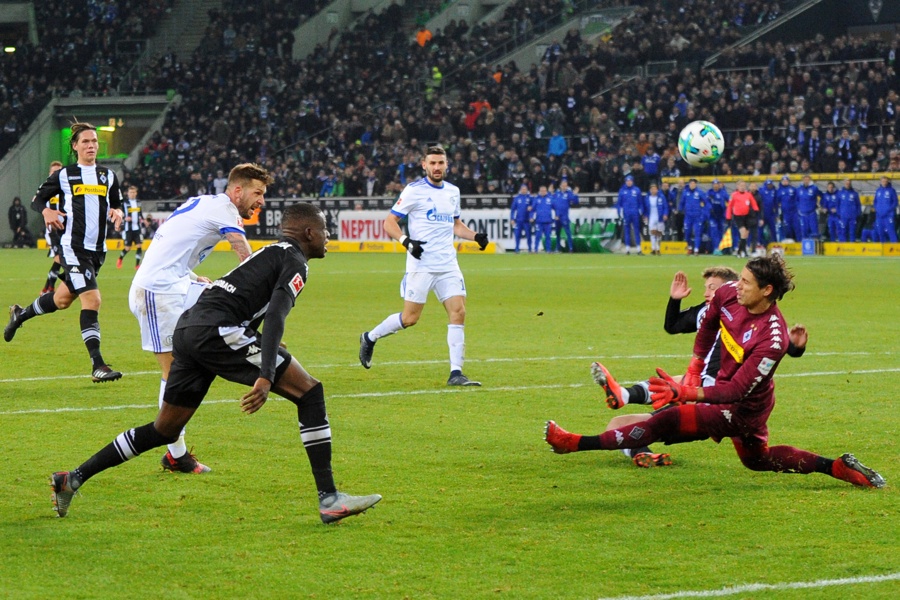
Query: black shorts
[202,353]
[81,268]
[741,221]
[132,237]
[55,248]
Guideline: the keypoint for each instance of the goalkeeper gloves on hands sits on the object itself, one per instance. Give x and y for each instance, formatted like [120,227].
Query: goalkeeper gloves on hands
[414,247]
[482,240]
[665,390]
[693,375]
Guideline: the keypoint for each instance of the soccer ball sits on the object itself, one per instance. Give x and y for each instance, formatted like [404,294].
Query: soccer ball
[700,143]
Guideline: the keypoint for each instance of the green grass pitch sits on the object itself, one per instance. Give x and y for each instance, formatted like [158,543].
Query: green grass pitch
[475,504]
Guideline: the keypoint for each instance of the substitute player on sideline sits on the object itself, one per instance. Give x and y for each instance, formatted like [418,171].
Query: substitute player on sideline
[131,231]
[160,289]
[432,206]
[91,195]
[746,317]
[219,336]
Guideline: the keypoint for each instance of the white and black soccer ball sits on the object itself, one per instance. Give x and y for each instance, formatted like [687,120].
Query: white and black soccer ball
[701,143]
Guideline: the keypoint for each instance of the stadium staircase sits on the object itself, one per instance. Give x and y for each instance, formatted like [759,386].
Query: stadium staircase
[758,33]
[180,32]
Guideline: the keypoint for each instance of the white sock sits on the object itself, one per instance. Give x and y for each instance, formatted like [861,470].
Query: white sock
[389,326]
[625,395]
[626,452]
[456,340]
[177,449]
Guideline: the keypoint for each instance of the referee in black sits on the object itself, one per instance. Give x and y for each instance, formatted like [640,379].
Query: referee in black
[91,195]
[219,336]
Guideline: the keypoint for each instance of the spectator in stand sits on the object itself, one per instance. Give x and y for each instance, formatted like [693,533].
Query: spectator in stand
[808,198]
[885,207]
[849,209]
[630,204]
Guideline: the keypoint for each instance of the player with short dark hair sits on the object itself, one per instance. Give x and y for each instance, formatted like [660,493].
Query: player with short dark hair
[91,195]
[219,336]
[745,315]
[131,231]
[432,206]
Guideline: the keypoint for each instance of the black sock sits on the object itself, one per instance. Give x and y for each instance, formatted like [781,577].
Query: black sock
[53,275]
[124,252]
[44,305]
[90,333]
[824,465]
[742,247]
[637,394]
[315,433]
[126,446]
[139,256]
[641,450]
[589,442]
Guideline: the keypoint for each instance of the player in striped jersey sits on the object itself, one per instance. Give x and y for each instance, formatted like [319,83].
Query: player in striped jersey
[131,232]
[432,206]
[53,236]
[91,195]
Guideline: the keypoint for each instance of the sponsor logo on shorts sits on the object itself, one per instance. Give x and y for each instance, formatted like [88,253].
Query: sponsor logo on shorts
[619,438]
[727,414]
[637,433]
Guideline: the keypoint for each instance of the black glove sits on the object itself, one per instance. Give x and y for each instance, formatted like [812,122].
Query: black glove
[482,240]
[414,247]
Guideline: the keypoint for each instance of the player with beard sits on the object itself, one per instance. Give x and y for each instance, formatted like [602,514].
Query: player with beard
[432,206]
[219,336]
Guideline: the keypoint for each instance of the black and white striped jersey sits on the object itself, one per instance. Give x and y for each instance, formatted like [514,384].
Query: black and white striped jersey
[132,209]
[88,192]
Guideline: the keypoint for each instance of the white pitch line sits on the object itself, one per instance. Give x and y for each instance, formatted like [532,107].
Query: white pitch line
[494,360]
[759,587]
[449,390]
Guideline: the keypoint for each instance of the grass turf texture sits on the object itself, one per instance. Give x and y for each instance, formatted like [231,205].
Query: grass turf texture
[475,504]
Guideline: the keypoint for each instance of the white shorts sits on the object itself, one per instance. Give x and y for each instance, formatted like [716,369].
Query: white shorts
[158,314]
[658,226]
[415,286]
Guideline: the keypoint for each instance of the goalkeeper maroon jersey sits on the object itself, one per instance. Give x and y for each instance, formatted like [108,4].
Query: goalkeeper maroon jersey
[751,348]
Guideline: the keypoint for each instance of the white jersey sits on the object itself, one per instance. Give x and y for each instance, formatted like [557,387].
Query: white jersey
[432,213]
[184,241]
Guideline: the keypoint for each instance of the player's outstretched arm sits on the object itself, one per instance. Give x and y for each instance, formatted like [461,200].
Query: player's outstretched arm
[679,289]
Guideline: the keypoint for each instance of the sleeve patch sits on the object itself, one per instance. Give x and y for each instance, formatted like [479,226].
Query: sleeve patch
[765,365]
[296,284]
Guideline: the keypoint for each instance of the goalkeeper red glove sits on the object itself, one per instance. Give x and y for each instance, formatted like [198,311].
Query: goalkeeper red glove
[665,390]
[692,377]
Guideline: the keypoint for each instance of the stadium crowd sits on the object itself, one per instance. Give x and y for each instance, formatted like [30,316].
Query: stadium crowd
[351,119]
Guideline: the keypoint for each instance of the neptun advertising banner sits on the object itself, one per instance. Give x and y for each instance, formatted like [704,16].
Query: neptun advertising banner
[366,225]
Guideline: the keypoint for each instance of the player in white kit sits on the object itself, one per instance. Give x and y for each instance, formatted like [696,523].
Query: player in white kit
[432,208]
[165,285]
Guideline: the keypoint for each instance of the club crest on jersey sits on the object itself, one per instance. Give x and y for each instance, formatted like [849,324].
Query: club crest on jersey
[748,334]
[296,284]
[102,178]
